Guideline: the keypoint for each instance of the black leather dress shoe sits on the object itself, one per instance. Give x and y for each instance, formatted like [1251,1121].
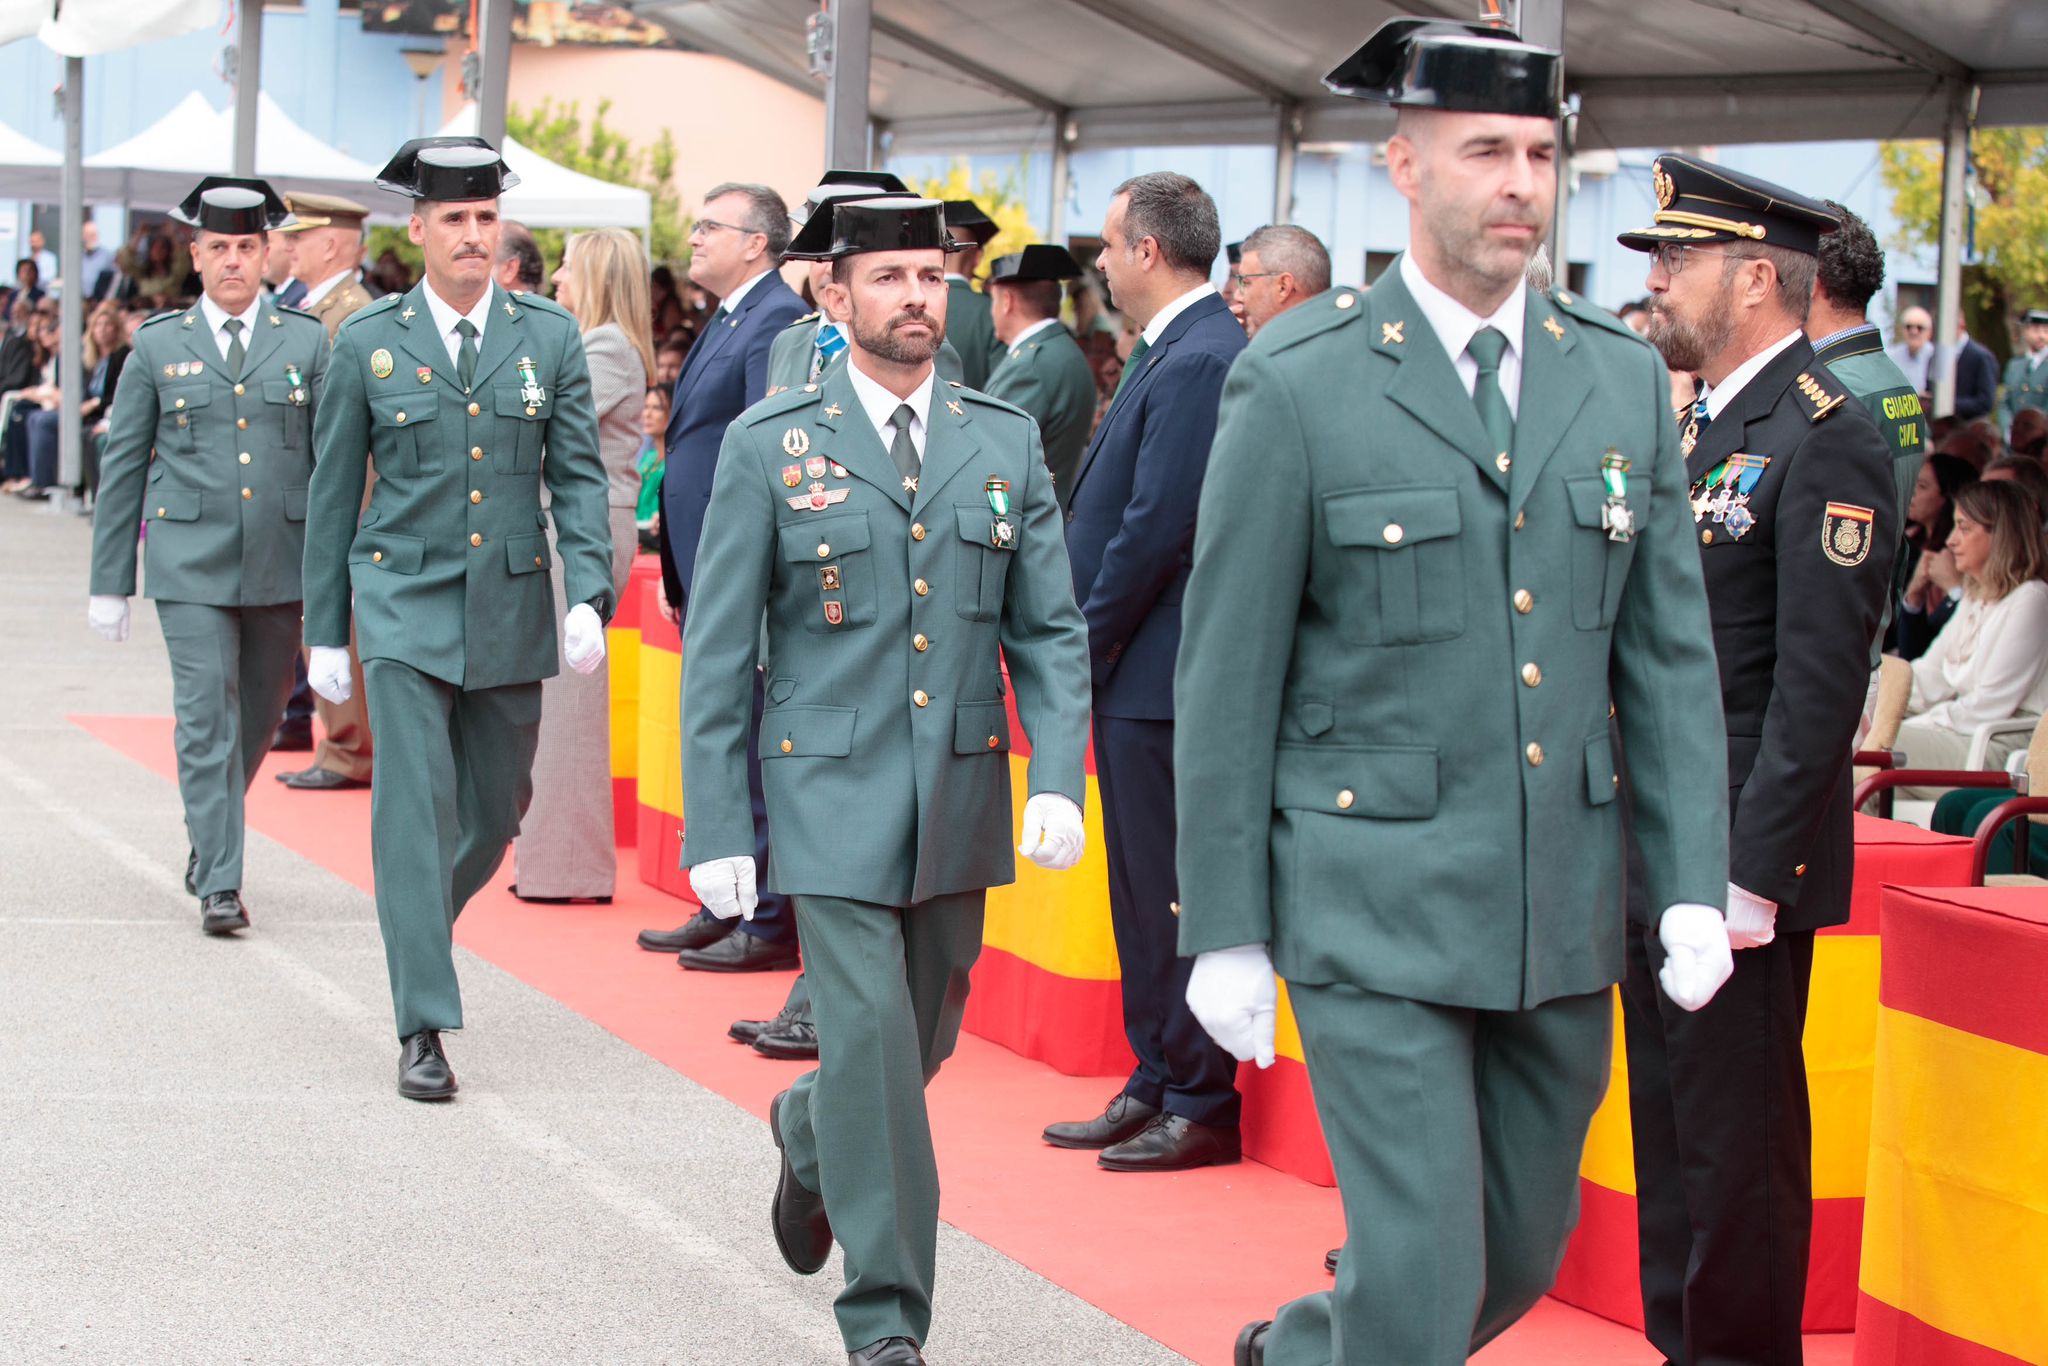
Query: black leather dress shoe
[1173,1143]
[740,953]
[423,1071]
[1251,1344]
[746,1031]
[887,1352]
[802,1232]
[319,780]
[796,1041]
[223,913]
[700,929]
[1125,1117]
[1330,1260]
[292,738]
[191,872]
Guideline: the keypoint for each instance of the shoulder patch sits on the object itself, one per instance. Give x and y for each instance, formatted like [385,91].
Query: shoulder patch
[1593,315]
[778,404]
[1821,394]
[1331,309]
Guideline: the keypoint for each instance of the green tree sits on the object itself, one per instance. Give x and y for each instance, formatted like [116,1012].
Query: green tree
[559,133]
[1001,197]
[2011,221]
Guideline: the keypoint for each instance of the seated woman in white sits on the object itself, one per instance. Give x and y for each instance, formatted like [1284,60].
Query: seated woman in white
[1990,662]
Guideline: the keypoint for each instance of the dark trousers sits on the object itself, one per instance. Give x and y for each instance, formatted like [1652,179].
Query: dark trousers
[453,779]
[1723,1155]
[44,447]
[1180,1068]
[773,918]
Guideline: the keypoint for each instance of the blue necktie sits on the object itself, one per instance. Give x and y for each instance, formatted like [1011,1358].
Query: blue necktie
[831,341]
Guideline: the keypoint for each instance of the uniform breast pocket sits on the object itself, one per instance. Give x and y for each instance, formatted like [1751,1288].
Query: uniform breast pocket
[402,434]
[831,553]
[1599,565]
[287,402]
[987,545]
[522,427]
[1403,578]
[180,407]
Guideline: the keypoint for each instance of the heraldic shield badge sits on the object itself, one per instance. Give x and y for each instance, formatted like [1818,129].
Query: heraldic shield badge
[1845,533]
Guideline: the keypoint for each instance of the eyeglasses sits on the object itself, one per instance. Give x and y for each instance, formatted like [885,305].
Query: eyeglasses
[1672,255]
[1912,327]
[709,225]
[1239,280]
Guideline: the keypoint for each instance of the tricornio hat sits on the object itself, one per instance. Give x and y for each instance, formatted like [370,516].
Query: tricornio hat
[969,223]
[233,204]
[1039,261]
[447,170]
[1437,64]
[883,223]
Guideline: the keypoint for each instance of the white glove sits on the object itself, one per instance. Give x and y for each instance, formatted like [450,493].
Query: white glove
[107,614]
[1752,921]
[1053,835]
[1696,956]
[725,886]
[583,638]
[1233,994]
[328,673]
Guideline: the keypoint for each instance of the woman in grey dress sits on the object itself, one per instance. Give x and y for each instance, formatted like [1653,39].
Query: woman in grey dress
[566,849]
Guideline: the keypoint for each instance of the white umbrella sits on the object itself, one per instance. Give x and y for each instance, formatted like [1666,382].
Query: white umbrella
[26,166]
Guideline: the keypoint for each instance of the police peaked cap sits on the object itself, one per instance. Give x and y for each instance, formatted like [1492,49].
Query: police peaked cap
[1699,202]
[898,222]
[1439,64]
[1039,261]
[322,211]
[237,205]
[447,170]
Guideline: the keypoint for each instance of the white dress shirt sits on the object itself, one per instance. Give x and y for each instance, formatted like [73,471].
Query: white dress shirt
[1163,319]
[1721,395]
[445,317]
[881,405]
[1990,662]
[1455,325]
[730,303]
[326,287]
[217,317]
[1916,367]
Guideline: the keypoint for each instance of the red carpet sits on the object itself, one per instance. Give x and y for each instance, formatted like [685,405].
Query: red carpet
[1186,1259]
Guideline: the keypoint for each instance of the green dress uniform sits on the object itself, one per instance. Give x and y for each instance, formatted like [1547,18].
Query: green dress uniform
[1047,376]
[2026,381]
[971,331]
[223,509]
[1857,358]
[1406,654]
[893,602]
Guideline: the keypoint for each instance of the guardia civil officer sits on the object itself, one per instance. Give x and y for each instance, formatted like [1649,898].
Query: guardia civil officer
[1443,536]
[901,537]
[1796,519]
[2026,374]
[224,394]
[969,327]
[455,389]
[1043,370]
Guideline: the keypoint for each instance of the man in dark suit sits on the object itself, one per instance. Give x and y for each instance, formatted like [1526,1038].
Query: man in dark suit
[1130,538]
[736,248]
[1797,521]
[1976,376]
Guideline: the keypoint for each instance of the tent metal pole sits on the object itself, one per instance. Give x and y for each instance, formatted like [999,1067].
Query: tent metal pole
[494,45]
[1542,23]
[1948,292]
[71,308]
[248,80]
[1062,182]
[846,87]
[1286,147]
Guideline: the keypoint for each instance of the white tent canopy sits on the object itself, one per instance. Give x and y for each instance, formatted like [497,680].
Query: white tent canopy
[25,164]
[550,195]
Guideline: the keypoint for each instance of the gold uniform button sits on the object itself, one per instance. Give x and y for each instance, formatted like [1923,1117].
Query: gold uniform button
[1706,538]
[994,743]
[1531,675]
[1525,601]
[1610,711]
[476,495]
[917,531]
[823,550]
[921,587]
[238,391]
[919,643]
[474,410]
[241,424]
[476,452]
[476,538]
[1345,799]
[160,512]
[376,557]
[539,563]
[1343,301]
[1393,533]
[247,494]
[921,697]
[787,746]
[401,417]
[1173,906]
[243,457]
[179,404]
[1521,520]
[1501,462]
[1534,754]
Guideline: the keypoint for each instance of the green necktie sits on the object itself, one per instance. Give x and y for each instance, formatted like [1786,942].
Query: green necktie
[1487,346]
[902,449]
[236,351]
[465,358]
[1131,365]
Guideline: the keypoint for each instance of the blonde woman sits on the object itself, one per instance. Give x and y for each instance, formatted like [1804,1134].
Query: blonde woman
[1990,662]
[566,849]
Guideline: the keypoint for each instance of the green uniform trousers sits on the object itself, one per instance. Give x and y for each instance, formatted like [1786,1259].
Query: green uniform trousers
[454,776]
[231,674]
[1456,1137]
[888,987]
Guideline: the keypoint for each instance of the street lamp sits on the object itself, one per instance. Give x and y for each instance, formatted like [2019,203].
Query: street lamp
[422,60]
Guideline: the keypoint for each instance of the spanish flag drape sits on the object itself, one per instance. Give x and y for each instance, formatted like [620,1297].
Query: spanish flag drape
[1955,1241]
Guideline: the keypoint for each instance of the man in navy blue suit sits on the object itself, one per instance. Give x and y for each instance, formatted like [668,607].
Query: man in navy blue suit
[1130,539]
[735,250]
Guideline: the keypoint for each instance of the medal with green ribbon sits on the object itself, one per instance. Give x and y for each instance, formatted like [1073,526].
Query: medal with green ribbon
[530,392]
[998,491]
[297,381]
[1615,514]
